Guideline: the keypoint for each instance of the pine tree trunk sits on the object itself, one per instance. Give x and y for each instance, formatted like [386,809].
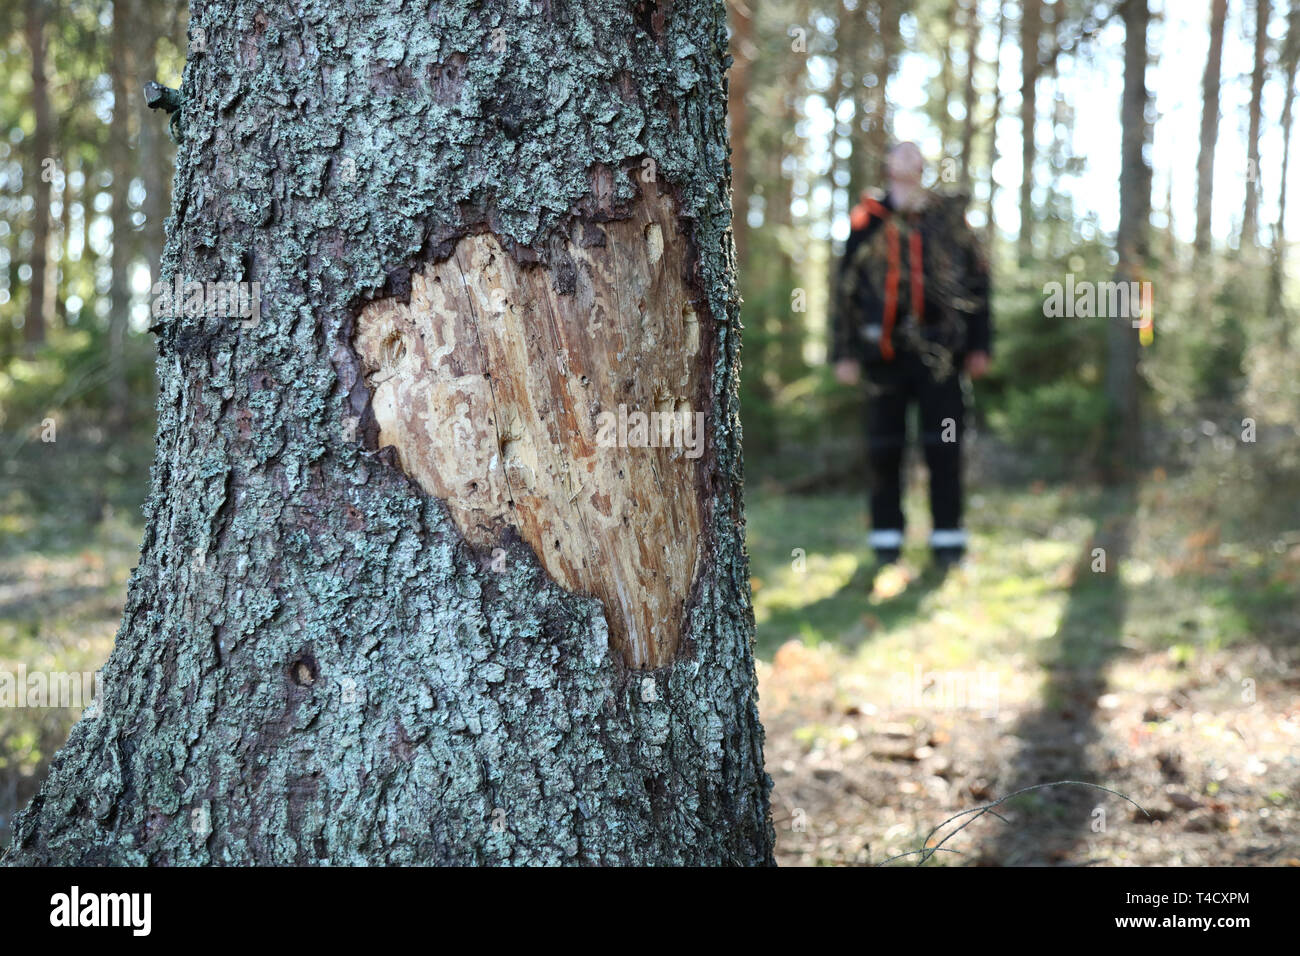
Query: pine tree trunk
[63,285]
[119,135]
[1290,60]
[396,601]
[1250,215]
[154,162]
[743,52]
[947,85]
[1209,128]
[785,357]
[991,229]
[1031,28]
[1122,384]
[872,113]
[844,75]
[38,304]
[973,26]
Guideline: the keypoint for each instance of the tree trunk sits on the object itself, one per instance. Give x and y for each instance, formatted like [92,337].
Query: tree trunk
[38,304]
[871,120]
[947,85]
[1250,216]
[119,135]
[968,93]
[1031,27]
[743,51]
[64,244]
[397,601]
[154,162]
[1209,129]
[990,228]
[786,357]
[1290,62]
[1122,386]
[845,34]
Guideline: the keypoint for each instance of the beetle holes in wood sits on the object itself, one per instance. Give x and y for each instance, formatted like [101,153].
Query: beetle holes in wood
[573,416]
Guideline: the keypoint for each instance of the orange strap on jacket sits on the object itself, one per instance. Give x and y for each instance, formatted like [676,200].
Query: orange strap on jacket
[863,211]
[860,218]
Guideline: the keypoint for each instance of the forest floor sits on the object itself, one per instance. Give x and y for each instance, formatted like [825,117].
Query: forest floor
[893,702]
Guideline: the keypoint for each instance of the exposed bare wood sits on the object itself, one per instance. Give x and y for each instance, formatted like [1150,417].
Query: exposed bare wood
[504,398]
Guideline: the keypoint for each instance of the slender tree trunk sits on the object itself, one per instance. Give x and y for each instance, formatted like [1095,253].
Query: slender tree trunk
[1209,129]
[1031,27]
[1290,62]
[787,355]
[1169,248]
[968,95]
[843,73]
[947,84]
[990,234]
[152,151]
[743,51]
[871,125]
[1056,228]
[119,312]
[1122,385]
[891,14]
[38,303]
[1250,216]
[64,244]
[399,600]
[845,34]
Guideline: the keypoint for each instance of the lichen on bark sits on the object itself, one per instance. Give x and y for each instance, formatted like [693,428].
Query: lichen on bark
[313,665]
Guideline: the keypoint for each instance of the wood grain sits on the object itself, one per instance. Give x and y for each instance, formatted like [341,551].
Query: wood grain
[490,385]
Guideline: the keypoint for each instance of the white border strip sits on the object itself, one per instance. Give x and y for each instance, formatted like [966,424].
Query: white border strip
[948,538]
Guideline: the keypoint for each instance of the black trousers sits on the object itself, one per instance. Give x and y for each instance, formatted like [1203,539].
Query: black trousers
[891,388]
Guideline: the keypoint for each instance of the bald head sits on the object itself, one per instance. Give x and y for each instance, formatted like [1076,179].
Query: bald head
[905,164]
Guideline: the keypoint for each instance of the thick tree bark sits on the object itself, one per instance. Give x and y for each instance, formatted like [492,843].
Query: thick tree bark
[1250,215]
[1122,384]
[39,306]
[1209,129]
[321,660]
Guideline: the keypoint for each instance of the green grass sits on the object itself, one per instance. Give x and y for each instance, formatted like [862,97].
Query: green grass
[1030,595]
[62,586]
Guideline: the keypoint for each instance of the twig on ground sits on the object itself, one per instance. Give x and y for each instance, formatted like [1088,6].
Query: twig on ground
[927,851]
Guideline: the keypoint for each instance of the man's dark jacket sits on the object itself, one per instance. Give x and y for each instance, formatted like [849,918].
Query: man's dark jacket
[896,261]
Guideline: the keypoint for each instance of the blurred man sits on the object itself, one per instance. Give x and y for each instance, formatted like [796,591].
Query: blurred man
[911,312]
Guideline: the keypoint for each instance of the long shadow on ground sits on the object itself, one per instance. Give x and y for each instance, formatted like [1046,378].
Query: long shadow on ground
[846,617]
[1047,826]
